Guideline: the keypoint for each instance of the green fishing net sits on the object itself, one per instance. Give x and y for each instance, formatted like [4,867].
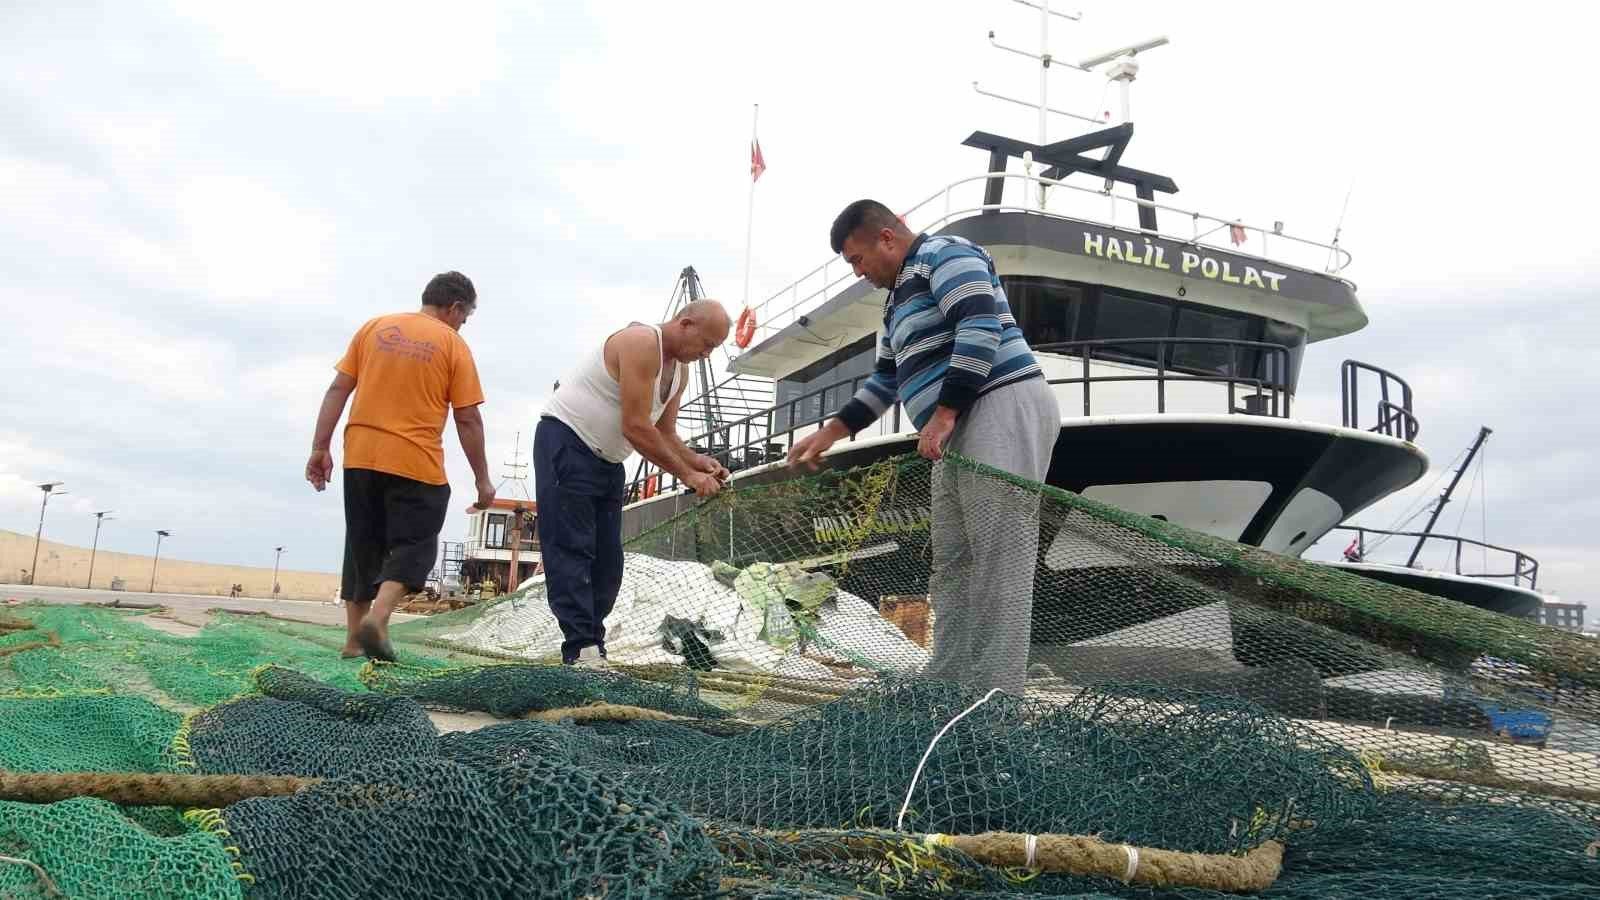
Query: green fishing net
[779,719]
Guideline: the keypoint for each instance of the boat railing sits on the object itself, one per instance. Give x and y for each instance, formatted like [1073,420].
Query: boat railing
[766,436]
[737,395]
[1262,395]
[475,547]
[1523,568]
[752,440]
[1395,417]
[786,306]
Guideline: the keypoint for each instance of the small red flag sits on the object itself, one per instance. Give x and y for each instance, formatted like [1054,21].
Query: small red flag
[1236,234]
[758,163]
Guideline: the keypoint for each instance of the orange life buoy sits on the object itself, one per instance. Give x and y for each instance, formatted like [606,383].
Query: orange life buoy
[650,486]
[746,329]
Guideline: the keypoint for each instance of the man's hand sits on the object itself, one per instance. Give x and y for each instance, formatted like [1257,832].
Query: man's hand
[934,434]
[485,493]
[808,450]
[703,484]
[319,469]
[709,465]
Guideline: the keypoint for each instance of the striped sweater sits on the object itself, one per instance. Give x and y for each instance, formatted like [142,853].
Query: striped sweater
[948,336]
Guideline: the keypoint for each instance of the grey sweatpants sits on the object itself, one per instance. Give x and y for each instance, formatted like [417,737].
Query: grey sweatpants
[986,536]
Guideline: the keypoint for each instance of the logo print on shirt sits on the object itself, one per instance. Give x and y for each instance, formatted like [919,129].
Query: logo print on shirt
[393,340]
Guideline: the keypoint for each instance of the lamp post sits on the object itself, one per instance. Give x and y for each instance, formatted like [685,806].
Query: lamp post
[49,488]
[275,561]
[99,518]
[159,535]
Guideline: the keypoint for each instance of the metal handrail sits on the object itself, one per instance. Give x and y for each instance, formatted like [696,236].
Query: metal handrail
[760,424]
[770,319]
[1277,392]
[1394,420]
[530,543]
[759,434]
[1523,565]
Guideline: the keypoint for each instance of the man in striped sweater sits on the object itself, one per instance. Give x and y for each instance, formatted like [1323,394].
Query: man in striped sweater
[952,353]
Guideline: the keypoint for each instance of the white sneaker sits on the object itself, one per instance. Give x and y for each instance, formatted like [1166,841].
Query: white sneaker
[590,658]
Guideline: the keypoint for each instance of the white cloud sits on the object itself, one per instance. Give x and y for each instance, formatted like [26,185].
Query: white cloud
[124,354]
[244,242]
[365,53]
[17,494]
[23,468]
[52,200]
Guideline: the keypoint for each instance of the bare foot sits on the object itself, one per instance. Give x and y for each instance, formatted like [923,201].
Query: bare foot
[375,641]
[351,650]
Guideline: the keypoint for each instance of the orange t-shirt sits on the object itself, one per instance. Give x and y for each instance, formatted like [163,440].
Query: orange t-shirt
[409,369]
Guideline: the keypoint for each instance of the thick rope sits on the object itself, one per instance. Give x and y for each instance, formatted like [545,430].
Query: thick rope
[52,640]
[147,789]
[615,712]
[604,712]
[658,671]
[1256,870]
[1486,778]
[1075,854]
[10,623]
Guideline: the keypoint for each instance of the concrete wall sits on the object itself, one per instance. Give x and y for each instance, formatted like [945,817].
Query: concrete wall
[67,566]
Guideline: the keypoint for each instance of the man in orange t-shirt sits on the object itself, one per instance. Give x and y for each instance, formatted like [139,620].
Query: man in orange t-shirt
[406,370]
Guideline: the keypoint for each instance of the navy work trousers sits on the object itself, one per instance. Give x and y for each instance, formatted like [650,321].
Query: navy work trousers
[580,533]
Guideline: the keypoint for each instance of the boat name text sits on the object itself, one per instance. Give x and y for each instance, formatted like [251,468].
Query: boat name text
[1189,262]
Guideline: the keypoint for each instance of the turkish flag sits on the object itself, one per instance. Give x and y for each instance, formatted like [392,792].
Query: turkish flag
[758,164]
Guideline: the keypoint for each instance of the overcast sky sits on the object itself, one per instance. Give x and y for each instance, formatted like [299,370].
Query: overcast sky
[201,201]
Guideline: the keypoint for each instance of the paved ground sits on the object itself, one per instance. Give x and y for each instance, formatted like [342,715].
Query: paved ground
[187,607]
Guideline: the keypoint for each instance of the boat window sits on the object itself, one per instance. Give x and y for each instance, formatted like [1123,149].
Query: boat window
[495,534]
[814,392]
[1215,360]
[1047,309]
[1125,315]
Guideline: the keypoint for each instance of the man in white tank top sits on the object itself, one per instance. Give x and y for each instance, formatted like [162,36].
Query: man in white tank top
[621,399]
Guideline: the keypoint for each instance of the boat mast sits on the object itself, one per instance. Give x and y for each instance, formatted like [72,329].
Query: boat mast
[1477,444]
[1124,70]
[686,291]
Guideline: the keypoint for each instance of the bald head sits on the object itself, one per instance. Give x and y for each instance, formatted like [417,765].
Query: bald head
[698,328]
[709,313]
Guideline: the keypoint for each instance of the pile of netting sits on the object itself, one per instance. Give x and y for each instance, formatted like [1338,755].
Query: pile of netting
[1197,719]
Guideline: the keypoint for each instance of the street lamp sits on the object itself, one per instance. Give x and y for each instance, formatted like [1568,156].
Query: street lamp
[49,488]
[99,517]
[159,536]
[275,573]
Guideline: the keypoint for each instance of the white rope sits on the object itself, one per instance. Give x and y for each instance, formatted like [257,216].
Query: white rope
[1133,862]
[1032,845]
[899,822]
[50,888]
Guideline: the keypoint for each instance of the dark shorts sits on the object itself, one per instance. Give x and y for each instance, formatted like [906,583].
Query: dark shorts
[391,531]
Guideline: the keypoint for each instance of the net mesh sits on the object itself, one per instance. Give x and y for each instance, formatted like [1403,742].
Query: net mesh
[801,702]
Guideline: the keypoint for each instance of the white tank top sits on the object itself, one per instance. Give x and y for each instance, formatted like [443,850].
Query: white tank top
[589,401]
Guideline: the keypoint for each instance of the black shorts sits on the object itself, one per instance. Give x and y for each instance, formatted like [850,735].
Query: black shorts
[391,531]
